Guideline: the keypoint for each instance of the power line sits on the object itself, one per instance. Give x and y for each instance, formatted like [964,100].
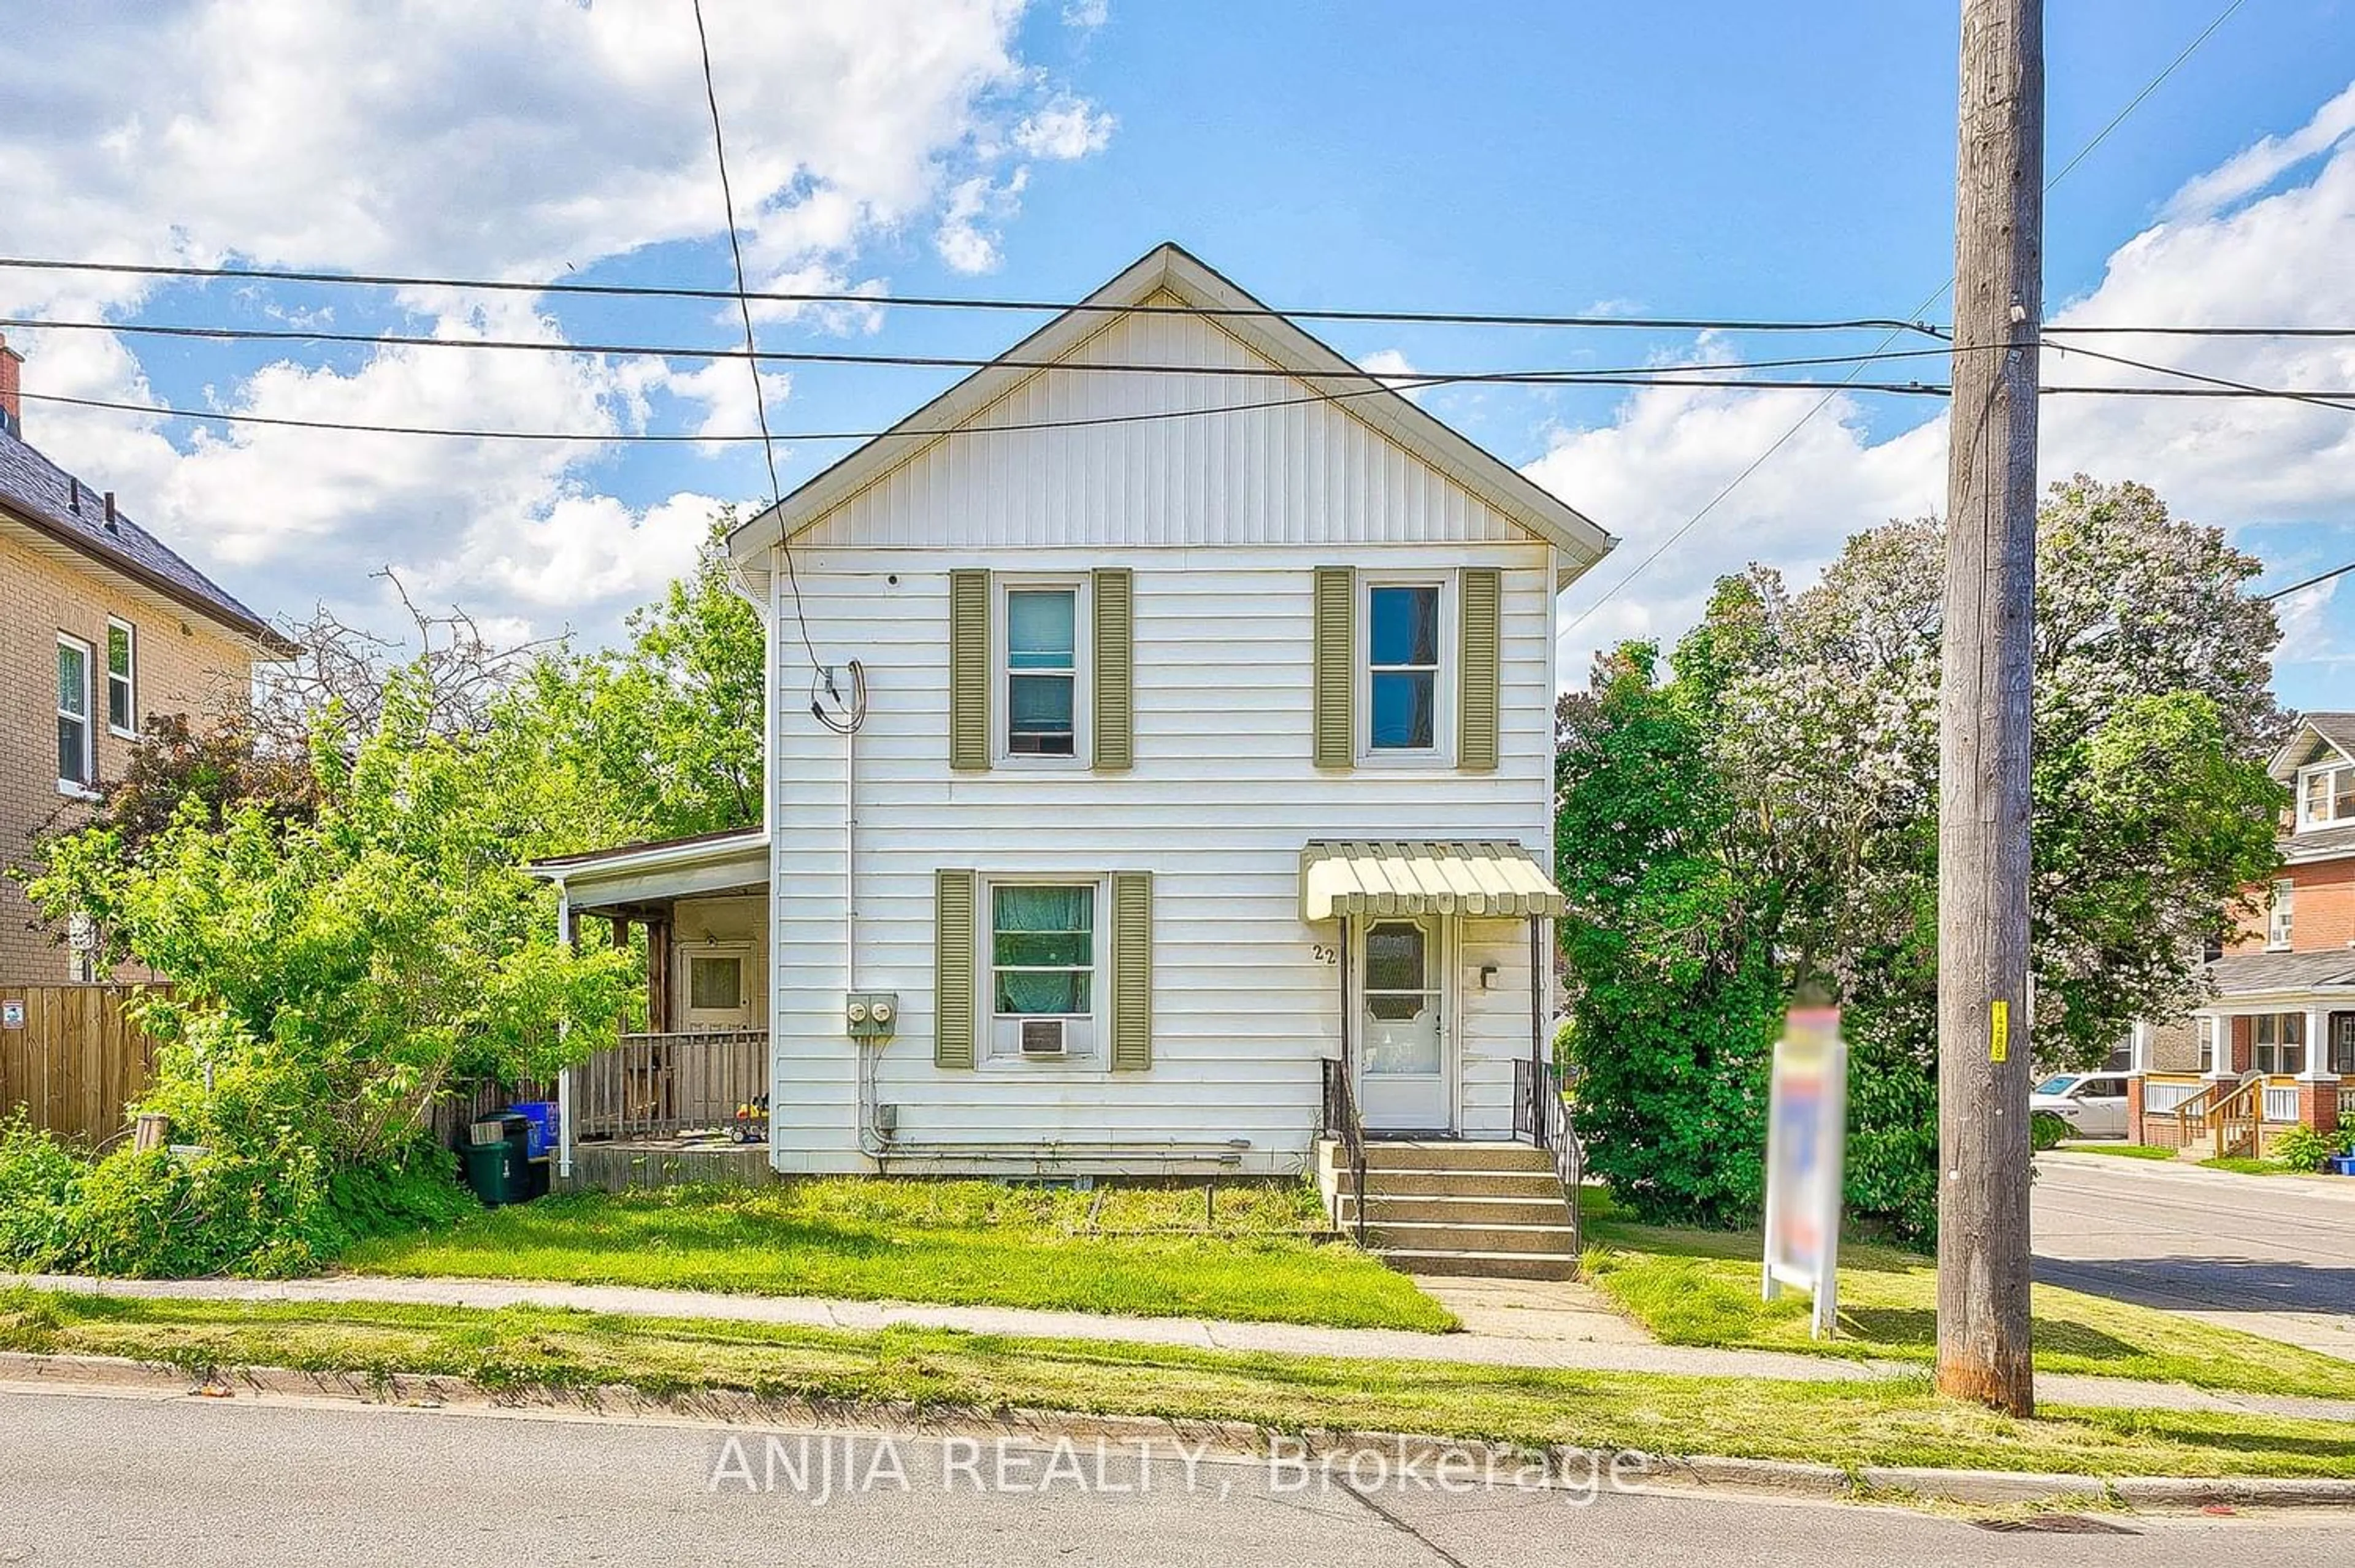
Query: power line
[959,301]
[915,361]
[2310,582]
[951,301]
[1781,441]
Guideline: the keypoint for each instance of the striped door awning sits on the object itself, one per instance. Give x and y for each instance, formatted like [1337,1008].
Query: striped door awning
[1493,879]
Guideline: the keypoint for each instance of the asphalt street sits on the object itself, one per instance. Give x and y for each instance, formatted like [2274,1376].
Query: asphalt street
[91,1479]
[2274,1255]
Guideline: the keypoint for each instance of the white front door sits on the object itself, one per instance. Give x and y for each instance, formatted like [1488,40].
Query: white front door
[1402,1078]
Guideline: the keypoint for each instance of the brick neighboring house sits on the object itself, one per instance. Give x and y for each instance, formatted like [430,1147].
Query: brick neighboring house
[2274,1047]
[101,628]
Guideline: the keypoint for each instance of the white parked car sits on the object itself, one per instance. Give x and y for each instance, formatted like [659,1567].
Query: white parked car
[2093,1103]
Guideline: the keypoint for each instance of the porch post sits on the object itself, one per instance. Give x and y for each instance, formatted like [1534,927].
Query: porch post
[2317,1045]
[1541,982]
[564,1079]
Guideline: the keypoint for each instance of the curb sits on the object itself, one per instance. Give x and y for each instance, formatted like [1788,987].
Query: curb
[1559,1466]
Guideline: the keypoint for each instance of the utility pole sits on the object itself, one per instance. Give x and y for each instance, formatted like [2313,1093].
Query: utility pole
[1985,709]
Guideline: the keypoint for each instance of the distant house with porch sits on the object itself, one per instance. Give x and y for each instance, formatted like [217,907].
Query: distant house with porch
[1160,771]
[2274,1046]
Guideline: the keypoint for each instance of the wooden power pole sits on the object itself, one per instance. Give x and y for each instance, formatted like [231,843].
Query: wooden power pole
[1984,711]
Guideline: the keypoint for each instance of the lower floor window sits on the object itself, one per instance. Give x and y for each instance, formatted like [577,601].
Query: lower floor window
[1042,970]
[2342,1044]
[2277,1041]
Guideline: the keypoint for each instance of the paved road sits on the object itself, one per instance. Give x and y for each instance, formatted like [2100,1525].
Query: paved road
[2274,1255]
[96,1480]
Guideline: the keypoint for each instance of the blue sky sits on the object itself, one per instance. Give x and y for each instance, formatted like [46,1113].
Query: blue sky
[1707,159]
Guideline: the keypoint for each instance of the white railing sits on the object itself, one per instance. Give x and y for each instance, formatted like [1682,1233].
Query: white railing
[2281,1103]
[2158,1098]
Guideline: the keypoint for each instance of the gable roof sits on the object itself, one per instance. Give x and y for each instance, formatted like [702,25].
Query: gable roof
[43,497]
[2314,731]
[1272,336]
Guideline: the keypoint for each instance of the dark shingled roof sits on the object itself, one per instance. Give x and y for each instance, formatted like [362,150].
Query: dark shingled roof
[2339,729]
[2244,974]
[40,493]
[2316,844]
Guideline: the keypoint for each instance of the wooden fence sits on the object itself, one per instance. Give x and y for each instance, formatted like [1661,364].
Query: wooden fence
[71,1059]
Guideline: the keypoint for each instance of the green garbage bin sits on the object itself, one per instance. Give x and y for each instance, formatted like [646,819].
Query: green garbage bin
[498,1172]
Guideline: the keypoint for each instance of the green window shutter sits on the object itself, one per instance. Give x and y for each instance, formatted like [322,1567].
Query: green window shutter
[1132,971]
[953,1009]
[969,671]
[1115,671]
[1479,613]
[1335,727]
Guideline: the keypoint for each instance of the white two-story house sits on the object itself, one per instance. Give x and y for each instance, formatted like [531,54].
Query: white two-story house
[1159,716]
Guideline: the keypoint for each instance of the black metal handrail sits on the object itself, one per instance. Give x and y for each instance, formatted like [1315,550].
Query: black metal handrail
[1541,1114]
[1338,1120]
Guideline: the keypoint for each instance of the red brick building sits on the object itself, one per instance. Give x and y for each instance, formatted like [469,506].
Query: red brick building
[101,628]
[2274,1047]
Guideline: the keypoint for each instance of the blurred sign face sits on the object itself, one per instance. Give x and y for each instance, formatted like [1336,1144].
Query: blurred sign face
[1806,1138]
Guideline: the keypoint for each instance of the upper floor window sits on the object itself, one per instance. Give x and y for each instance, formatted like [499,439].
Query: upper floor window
[1041,668]
[2325,794]
[1405,688]
[121,677]
[77,762]
[2278,922]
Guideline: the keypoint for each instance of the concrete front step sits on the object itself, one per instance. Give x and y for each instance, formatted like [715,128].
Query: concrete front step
[1460,1184]
[1413,1209]
[1452,1154]
[1483,1265]
[1553,1241]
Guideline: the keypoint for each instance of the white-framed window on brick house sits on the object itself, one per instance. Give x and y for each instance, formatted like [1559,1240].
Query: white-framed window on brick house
[2278,1042]
[2325,794]
[76,756]
[1041,642]
[1405,690]
[121,677]
[1043,953]
[2280,913]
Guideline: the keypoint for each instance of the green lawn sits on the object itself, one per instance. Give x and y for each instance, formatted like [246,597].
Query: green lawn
[1251,1252]
[2243,1165]
[1896,1422]
[1701,1288]
[2127,1151]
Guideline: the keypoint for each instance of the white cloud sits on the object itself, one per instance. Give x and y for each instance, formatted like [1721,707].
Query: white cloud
[1086,15]
[1392,368]
[447,137]
[1066,128]
[2280,259]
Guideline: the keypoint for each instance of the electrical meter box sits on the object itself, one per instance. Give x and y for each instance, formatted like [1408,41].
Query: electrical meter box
[871,1015]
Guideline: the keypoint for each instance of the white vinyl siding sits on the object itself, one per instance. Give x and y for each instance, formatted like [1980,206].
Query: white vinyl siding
[1301,472]
[1223,794]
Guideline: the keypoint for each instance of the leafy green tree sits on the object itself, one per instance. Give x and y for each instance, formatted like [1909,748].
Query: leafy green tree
[1678,1003]
[661,737]
[1815,720]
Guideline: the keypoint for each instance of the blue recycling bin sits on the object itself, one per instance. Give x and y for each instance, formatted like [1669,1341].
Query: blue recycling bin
[541,1132]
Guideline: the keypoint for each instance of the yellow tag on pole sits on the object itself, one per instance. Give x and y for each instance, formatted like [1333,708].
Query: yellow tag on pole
[1998,1030]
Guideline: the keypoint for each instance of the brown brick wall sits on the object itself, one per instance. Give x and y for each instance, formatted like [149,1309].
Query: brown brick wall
[184,666]
[2322,910]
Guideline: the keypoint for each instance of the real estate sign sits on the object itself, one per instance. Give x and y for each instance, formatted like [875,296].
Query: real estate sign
[1807,1145]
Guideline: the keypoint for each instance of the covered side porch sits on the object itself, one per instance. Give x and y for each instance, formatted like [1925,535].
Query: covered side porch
[1445,1133]
[2275,1046]
[685,1099]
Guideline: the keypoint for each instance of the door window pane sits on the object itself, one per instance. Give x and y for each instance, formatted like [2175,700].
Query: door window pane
[1402,649]
[1401,1000]
[716,984]
[1041,670]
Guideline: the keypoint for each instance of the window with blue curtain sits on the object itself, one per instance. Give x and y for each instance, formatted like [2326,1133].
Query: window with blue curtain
[1042,949]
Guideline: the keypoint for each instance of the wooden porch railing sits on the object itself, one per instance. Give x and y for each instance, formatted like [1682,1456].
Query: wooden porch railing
[2236,1117]
[2191,1117]
[710,1084]
[2346,1104]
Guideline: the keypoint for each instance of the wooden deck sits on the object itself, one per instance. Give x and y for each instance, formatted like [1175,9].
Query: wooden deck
[622,1166]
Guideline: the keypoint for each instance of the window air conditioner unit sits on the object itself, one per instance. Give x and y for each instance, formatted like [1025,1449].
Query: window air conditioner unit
[1042,1037]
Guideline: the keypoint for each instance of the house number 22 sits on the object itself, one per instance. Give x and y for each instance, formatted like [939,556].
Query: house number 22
[1324,954]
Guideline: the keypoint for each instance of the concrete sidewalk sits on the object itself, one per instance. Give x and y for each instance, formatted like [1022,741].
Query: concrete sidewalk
[1547,1327]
